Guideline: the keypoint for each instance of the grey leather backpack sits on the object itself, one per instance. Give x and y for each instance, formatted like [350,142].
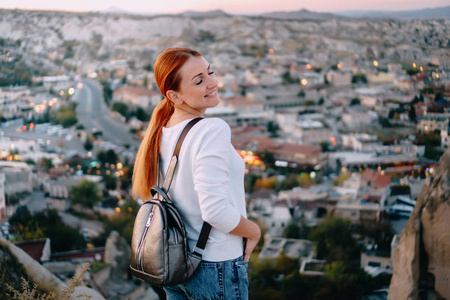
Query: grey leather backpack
[159,248]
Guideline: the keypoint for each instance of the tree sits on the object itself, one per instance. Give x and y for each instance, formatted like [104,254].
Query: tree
[86,193]
[142,115]
[88,145]
[342,281]
[292,230]
[334,239]
[66,115]
[108,156]
[412,113]
[120,107]
[123,222]
[355,101]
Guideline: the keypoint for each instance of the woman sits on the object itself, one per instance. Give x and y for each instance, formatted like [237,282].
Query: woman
[209,180]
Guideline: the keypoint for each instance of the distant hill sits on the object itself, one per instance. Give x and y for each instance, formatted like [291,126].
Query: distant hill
[211,13]
[302,14]
[428,13]
[115,10]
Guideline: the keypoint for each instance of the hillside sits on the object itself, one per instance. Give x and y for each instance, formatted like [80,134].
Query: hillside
[95,35]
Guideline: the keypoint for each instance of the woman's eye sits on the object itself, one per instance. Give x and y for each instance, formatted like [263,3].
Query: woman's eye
[199,82]
[210,73]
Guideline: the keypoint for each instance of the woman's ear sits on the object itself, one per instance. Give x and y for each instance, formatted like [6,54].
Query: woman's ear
[174,97]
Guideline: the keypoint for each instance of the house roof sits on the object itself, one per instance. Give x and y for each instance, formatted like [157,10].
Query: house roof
[304,149]
[33,248]
[376,178]
[136,90]
[77,254]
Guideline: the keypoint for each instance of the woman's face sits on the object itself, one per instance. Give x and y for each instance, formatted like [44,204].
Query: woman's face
[198,86]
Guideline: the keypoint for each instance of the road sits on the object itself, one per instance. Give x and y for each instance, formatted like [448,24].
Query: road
[93,113]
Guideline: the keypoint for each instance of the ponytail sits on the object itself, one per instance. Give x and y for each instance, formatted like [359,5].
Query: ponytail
[146,163]
[167,77]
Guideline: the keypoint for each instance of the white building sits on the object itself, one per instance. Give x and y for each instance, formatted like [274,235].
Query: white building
[57,83]
[14,92]
[358,119]
[360,142]
[433,121]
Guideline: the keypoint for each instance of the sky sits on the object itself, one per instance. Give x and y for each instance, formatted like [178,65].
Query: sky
[229,6]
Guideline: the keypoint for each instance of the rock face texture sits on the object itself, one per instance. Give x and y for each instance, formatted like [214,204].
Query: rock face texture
[422,259]
[117,255]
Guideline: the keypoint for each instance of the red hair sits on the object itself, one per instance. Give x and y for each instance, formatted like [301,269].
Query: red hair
[167,76]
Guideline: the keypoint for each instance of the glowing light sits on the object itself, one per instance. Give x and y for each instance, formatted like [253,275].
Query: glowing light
[271,50]
[304,82]
[61,93]
[71,91]
[108,172]
[308,66]
[89,154]
[375,63]
[119,165]
[113,166]
[79,85]
[421,69]
[339,66]
[437,76]
[426,128]
[117,209]
[414,65]
[48,142]
[220,85]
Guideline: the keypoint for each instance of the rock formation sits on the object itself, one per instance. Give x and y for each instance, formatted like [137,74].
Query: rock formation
[117,255]
[422,258]
[36,273]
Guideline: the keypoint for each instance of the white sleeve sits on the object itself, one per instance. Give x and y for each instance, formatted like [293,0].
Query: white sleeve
[211,176]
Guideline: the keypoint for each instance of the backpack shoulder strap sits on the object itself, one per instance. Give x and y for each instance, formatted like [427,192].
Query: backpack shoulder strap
[174,161]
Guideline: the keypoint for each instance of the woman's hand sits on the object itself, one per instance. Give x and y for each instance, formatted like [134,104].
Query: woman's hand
[251,232]
[250,244]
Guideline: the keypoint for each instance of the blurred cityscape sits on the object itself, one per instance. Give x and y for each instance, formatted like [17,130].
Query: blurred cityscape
[340,122]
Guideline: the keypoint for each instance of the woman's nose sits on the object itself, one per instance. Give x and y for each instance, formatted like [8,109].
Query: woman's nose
[212,81]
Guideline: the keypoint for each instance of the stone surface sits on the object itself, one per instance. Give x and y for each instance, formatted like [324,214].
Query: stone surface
[422,259]
[117,255]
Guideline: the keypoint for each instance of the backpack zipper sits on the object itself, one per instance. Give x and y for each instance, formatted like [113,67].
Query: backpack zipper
[139,256]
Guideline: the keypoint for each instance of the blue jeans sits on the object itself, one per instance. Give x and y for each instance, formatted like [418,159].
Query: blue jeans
[225,280]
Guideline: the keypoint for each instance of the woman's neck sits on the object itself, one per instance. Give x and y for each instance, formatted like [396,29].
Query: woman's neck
[180,115]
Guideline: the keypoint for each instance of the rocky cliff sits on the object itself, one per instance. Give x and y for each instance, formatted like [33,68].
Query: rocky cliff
[422,258]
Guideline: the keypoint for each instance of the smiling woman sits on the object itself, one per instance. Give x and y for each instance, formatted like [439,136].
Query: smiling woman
[208,184]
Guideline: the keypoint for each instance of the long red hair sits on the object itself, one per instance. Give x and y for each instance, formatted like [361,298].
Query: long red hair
[167,76]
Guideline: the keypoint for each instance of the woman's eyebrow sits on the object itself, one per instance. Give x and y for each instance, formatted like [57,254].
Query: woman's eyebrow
[209,67]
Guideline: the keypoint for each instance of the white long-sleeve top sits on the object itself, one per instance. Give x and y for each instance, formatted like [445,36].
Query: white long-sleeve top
[208,185]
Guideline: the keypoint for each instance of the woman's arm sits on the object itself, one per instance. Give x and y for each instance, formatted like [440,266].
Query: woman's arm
[251,232]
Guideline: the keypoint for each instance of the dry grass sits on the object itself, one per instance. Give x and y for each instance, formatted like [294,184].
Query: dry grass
[33,293]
